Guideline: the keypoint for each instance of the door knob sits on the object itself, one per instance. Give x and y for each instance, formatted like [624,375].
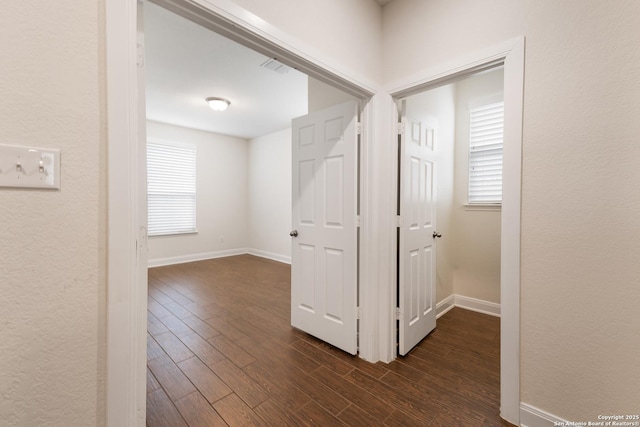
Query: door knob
[294,233]
[436,234]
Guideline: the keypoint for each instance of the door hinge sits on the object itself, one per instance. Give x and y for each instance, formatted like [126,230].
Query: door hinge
[400,128]
[140,55]
[357,313]
[359,128]
[358,222]
[399,221]
[397,313]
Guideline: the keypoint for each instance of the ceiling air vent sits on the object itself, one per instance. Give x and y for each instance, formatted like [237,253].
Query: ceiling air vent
[273,65]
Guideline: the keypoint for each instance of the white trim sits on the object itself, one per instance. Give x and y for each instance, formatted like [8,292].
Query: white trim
[285,259]
[467,303]
[368,302]
[511,54]
[182,259]
[456,68]
[203,256]
[478,305]
[530,416]
[126,297]
[482,207]
[377,231]
[444,306]
[510,233]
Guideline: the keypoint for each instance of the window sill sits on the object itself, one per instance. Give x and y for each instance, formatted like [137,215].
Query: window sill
[182,233]
[482,207]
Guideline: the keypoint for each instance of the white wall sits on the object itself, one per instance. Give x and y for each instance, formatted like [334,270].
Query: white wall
[270,195]
[476,232]
[436,108]
[580,202]
[222,195]
[52,250]
[244,196]
[322,95]
[346,34]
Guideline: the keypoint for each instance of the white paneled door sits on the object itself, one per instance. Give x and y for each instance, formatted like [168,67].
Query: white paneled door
[417,267]
[324,234]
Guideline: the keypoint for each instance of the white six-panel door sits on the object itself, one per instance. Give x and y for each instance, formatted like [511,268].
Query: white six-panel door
[417,264]
[324,234]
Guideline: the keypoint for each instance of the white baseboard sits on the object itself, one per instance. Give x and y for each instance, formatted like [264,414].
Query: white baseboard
[468,303]
[445,305]
[159,262]
[478,305]
[530,416]
[270,255]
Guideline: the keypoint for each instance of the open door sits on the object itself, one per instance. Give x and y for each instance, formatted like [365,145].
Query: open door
[324,236]
[417,251]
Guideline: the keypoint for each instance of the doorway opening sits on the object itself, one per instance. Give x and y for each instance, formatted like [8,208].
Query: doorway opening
[509,54]
[459,235]
[243,180]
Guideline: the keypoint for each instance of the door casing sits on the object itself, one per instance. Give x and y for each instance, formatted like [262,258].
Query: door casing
[126,200]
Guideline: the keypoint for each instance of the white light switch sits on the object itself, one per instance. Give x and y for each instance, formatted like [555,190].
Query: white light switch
[29,167]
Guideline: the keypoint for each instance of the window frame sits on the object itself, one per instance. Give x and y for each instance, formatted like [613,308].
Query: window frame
[187,146]
[483,204]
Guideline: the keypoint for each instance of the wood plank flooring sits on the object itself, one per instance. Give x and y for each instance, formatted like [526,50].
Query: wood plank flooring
[221,352]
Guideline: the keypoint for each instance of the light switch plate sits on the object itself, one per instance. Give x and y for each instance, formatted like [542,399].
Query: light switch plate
[29,167]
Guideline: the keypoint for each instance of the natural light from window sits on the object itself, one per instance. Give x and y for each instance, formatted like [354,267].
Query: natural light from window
[171,188]
[485,154]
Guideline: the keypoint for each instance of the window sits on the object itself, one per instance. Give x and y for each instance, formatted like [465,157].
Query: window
[171,188]
[485,153]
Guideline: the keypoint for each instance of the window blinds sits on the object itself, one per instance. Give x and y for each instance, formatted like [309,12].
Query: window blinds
[485,153]
[171,188]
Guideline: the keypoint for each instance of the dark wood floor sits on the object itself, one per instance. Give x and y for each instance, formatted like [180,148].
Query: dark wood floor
[221,352]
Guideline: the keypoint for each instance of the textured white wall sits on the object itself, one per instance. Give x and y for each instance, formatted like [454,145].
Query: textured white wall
[52,259]
[476,233]
[222,193]
[580,202]
[347,32]
[436,108]
[269,220]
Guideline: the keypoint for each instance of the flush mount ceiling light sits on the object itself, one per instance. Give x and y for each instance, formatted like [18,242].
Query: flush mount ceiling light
[218,104]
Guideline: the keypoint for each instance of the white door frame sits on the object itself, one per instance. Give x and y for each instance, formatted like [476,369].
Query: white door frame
[126,298]
[126,316]
[511,54]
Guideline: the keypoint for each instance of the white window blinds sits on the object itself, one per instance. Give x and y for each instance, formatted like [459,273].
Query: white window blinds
[171,188]
[485,153]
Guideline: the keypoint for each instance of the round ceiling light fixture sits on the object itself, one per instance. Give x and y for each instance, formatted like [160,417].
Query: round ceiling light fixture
[218,104]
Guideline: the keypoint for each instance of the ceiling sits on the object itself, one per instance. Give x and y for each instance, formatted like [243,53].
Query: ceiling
[186,63]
